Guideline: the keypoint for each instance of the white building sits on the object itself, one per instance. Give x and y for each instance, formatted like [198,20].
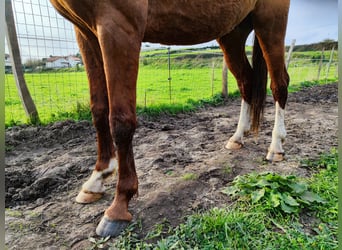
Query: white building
[58,62]
[73,61]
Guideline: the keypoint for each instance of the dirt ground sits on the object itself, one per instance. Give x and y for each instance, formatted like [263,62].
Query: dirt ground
[181,162]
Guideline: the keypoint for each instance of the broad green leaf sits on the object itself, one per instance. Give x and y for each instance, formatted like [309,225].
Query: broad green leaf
[286,180]
[291,177]
[274,185]
[257,195]
[231,190]
[288,199]
[274,199]
[303,201]
[298,188]
[311,197]
[287,209]
[261,183]
[272,177]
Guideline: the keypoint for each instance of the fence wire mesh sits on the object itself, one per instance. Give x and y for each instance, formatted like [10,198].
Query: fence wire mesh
[58,83]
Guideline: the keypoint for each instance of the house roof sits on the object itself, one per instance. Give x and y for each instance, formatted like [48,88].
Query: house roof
[55,58]
[74,58]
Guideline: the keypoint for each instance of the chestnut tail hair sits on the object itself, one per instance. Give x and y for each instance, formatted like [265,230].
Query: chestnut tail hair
[258,87]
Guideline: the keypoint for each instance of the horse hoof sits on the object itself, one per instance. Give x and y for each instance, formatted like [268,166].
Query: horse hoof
[107,227]
[275,157]
[233,145]
[88,197]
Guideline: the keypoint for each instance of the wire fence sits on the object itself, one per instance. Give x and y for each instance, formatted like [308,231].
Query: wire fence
[58,84]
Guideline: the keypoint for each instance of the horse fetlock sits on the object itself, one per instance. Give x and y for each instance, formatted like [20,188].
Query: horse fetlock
[118,212]
[95,183]
[246,132]
[112,168]
[93,189]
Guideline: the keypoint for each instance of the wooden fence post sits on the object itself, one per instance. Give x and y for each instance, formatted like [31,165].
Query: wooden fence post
[289,54]
[320,64]
[329,64]
[169,68]
[12,41]
[224,80]
[212,77]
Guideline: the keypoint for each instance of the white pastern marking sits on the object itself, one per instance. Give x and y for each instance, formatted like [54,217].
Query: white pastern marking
[279,131]
[244,123]
[112,166]
[95,182]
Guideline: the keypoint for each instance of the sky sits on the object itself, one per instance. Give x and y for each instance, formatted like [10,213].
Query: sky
[312,21]
[309,21]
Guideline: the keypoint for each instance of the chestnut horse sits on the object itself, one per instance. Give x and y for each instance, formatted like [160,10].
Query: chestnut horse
[109,35]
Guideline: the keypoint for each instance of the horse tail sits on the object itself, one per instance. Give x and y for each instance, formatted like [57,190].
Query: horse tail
[258,96]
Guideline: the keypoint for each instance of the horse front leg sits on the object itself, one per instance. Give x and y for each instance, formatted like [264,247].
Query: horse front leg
[93,189]
[120,54]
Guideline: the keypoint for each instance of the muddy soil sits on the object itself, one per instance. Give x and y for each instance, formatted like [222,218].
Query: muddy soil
[181,163]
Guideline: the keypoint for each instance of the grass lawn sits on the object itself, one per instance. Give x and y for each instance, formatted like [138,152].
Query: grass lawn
[194,77]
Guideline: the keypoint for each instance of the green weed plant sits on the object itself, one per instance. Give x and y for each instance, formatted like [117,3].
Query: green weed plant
[273,191]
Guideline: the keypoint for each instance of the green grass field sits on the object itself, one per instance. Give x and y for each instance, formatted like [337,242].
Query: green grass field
[195,76]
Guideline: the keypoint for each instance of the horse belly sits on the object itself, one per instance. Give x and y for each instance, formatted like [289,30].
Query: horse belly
[182,22]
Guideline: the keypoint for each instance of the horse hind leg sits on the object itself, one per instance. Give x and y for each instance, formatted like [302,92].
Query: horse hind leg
[271,37]
[233,47]
[93,189]
[275,151]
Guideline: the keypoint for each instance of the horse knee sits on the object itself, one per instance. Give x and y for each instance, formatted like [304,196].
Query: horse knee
[122,131]
[100,117]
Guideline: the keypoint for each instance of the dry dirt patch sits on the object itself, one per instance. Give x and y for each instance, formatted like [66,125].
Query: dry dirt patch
[181,164]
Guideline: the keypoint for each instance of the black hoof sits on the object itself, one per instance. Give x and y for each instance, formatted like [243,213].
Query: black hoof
[110,228]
